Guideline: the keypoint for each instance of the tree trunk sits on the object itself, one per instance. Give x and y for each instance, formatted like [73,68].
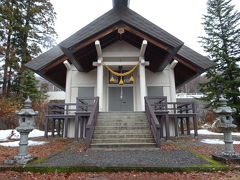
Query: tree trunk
[7,56]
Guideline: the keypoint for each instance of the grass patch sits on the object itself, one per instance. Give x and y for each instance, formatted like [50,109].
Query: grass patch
[213,162]
[110,169]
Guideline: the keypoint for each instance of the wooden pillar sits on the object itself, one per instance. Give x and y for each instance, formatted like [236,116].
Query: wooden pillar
[82,127]
[46,128]
[67,94]
[176,126]
[53,128]
[76,127]
[142,82]
[167,127]
[172,81]
[161,125]
[188,125]
[100,83]
[65,127]
[142,75]
[59,127]
[195,125]
[182,126]
[99,74]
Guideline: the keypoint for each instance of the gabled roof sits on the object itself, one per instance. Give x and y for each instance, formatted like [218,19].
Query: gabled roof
[112,17]
[195,58]
[125,15]
[120,16]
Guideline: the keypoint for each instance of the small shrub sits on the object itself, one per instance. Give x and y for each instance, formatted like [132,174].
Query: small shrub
[210,117]
[41,108]
[8,118]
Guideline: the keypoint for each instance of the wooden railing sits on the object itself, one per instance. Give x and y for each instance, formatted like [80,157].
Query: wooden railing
[91,122]
[159,111]
[84,111]
[153,121]
[59,113]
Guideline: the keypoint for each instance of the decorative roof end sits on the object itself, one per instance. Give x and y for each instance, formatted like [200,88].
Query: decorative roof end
[118,3]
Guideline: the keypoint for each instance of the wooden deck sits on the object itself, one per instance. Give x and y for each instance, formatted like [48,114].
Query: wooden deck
[85,113]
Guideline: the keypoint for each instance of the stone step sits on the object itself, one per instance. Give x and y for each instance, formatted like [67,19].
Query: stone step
[122,112]
[122,122]
[110,123]
[123,119]
[123,148]
[121,128]
[122,145]
[109,136]
[123,140]
[115,131]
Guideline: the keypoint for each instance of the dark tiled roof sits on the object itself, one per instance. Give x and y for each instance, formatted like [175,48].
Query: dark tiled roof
[195,58]
[127,16]
[112,17]
[45,59]
[144,25]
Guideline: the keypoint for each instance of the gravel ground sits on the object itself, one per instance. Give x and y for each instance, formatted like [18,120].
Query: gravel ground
[175,158]
[170,155]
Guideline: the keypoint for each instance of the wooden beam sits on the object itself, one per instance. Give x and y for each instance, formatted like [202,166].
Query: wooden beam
[168,58]
[72,58]
[143,48]
[99,49]
[173,64]
[67,65]
[190,66]
[93,39]
[55,63]
[147,38]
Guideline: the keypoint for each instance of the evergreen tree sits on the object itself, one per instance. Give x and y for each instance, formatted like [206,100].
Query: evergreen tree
[222,43]
[9,16]
[28,87]
[37,28]
[26,26]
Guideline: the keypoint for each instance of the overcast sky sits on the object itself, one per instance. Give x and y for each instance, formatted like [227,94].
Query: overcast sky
[181,18]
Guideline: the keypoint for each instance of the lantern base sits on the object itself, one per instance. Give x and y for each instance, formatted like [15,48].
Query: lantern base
[234,159]
[21,160]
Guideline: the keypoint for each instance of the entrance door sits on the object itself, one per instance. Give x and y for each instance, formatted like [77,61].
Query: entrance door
[120,98]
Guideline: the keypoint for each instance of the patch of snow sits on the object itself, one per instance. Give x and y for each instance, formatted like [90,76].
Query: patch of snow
[16,143]
[5,134]
[207,132]
[216,123]
[216,141]
[206,126]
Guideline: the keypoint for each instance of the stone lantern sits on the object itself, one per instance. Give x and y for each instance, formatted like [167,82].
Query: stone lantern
[26,125]
[226,126]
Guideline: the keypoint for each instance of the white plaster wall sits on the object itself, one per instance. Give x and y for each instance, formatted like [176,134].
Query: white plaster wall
[121,49]
[79,79]
[82,79]
[165,79]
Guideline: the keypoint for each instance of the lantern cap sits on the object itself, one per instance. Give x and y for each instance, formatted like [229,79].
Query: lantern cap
[28,103]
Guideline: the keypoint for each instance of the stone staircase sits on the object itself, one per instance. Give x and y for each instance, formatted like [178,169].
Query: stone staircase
[119,130]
